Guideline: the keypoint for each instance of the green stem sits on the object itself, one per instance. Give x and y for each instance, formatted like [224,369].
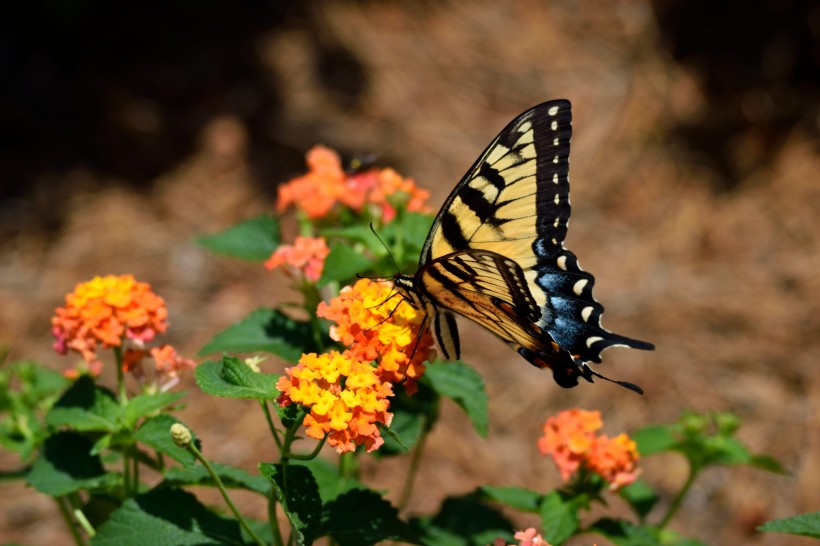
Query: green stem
[273,519]
[411,473]
[274,432]
[193,449]
[676,502]
[83,521]
[120,376]
[66,514]
[310,456]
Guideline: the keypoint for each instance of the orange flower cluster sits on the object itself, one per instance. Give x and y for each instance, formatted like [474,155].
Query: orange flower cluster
[525,538]
[306,256]
[569,438]
[345,396]
[167,362]
[106,310]
[326,183]
[374,327]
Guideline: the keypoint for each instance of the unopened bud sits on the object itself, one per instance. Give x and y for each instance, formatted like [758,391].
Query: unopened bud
[181,435]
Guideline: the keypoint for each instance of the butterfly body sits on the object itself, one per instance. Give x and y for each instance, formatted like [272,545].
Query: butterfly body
[495,254]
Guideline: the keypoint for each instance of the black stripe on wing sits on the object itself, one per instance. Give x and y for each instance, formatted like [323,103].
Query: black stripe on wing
[519,182]
[572,316]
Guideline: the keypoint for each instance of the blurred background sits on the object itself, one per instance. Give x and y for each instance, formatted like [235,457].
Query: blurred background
[126,131]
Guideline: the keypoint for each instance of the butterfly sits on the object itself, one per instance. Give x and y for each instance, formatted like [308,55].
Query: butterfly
[495,255]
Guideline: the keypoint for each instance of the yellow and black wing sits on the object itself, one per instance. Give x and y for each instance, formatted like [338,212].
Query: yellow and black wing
[495,252]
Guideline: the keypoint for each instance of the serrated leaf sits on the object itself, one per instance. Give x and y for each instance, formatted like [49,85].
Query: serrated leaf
[267,330]
[559,519]
[361,516]
[232,378]
[85,407]
[327,477]
[156,433]
[144,405]
[253,240]
[464,521]
[166,516]
[655,439]
[514,497]
[298,494]
[66,465]
[459,382]
[803,524]
[342,264]
[231,477]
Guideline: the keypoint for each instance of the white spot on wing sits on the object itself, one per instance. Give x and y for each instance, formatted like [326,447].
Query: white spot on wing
[557,199]
[592,340]
[578,288]
[554,126]
[585,314]
[561,262]
[555,160]
[555,178]
[552,111]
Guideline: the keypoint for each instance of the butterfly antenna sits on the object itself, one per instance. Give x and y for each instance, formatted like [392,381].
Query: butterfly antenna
[392,259]
[627,384]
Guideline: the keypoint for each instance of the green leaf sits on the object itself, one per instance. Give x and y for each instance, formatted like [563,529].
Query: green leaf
[655,439]
[253,240]
[330,483]
[464,386]
[514,497]
[298,493]
[559,519]
[144,405]
[267,330]
[765,462]
[624,533]
[640,497]
[232,378]
[412,417]
[804,524]
[86,407]
[342,264]
[362,516]
[231,477]
[166,516]
[66,465]
[464,521]
[156,433]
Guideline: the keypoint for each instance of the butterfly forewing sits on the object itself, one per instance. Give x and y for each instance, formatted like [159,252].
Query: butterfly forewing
[515,195]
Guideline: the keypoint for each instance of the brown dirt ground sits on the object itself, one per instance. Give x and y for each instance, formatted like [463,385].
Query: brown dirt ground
[724,283]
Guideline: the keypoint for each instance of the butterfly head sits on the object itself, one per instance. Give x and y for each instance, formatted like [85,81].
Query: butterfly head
[406,287]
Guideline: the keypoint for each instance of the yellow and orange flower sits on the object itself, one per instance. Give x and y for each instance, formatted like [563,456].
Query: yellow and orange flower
[570,439]
[106,310]
[345,396]
[306,256]
[375,326]
[326,183]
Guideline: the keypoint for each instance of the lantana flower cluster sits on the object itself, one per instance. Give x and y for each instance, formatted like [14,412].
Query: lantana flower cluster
[345,396]
[570,439]
[529,537]
[305,257]
[326,184]
[374,325]
[347,393]
[106,312]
